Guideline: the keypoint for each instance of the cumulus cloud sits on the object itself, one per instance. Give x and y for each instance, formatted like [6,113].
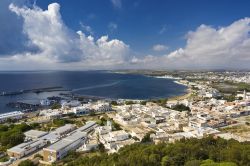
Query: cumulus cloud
[39,39]
[58,44]
[86,28]
[160,47]
[211,48]
[12,40]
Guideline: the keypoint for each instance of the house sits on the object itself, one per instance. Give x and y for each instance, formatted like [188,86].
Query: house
[81,110]
[51,114]
[119,135]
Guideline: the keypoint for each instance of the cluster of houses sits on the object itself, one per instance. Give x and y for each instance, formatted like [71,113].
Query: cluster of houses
[220,76]
[163,123]
[76,108]
[56,144]
[15,115]
[204,118]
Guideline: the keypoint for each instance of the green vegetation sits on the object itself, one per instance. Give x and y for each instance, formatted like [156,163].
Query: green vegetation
[231,87]
[101,147]
[181,107]
[129,102]
[38,156]
[143,102]
[102,122]
[229,98]
[92,113]
[115,126]
[161,102]
[12,135]
[4,159]
[205,152]
[61,122]
[55,123]
[56,106]
[114,103]
[26,163]
[146,138]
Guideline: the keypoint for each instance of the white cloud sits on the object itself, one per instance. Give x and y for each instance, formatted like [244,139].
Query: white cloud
[117,3]
[87,28]
[211,48]
[112,27]
[163,29]
[58,47]
[57,43]
[160,47]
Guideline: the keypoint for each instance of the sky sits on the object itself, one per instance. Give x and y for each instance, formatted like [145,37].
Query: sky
[124,34]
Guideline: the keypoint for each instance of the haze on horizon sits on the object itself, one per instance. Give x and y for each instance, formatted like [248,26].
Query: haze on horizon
[124,34]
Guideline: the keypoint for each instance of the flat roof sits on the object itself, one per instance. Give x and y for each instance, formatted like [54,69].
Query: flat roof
[35,133]
[25,146]
[10,114]
[118,132]
[66,141]
[64,128]
[86,126]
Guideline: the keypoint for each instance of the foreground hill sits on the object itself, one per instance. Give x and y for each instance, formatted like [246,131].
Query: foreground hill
[192,152]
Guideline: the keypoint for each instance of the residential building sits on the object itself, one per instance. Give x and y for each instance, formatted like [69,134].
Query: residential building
[11,115]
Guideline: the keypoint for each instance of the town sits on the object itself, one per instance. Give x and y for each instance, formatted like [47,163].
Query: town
[109,125]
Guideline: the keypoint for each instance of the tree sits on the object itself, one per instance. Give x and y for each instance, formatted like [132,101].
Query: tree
[114,103]
[26,163]
[56,106]
[181,107]
[129,102]
[143,102]
[38,156]
[147,138]
[165,161]
[193,163]
[101,147]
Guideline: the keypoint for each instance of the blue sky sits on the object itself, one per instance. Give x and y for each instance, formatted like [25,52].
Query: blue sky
[100,34]
[143,23]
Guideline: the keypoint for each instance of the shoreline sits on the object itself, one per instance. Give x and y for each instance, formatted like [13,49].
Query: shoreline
[185,94]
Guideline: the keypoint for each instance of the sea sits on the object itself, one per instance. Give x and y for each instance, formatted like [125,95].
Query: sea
[90,83]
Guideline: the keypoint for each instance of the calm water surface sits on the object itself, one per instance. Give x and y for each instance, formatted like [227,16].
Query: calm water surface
[94,83]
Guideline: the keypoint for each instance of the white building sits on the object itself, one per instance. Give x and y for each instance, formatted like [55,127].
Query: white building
[26,148]
[34,134]
[119,135]
[61,148]
[72,103]
[11,115]
[81,110]
[89,126]
[51,114]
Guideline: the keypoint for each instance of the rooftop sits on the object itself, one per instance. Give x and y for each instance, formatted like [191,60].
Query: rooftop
[64,128]
[25,146]
[10,114]
[35,133]
[88,125]
[66,141]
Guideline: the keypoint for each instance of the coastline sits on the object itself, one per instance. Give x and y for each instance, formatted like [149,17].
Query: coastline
[176,80]
[182,97]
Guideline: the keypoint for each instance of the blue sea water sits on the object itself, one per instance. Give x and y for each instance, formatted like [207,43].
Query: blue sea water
[93,83]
